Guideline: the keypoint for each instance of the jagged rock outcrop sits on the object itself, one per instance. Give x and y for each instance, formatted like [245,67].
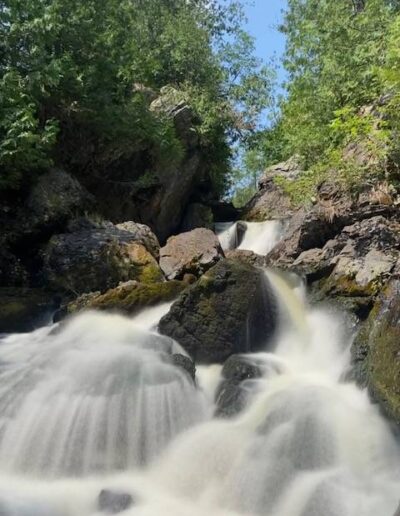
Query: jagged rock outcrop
[193,252]
[314,227]
[376,351]
[153,191]
[271,202]
[129,297]
[353,267]
[143,235]
[98,258]
[231,309]
[245,256]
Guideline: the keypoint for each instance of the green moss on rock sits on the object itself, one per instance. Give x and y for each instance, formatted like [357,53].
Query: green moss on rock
[129,297]
[376,351]
[230,309]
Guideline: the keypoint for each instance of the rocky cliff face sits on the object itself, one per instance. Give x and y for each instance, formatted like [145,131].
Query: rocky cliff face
[157,193]
[72,233]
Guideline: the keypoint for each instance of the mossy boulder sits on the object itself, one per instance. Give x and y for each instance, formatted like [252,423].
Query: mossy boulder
[99,258]
[24,309]
[128,298]
[376,351]
[231,309]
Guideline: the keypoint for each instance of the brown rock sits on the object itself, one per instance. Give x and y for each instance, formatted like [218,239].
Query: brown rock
[193,252]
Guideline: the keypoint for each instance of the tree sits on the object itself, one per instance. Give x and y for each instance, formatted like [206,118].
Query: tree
[68,71]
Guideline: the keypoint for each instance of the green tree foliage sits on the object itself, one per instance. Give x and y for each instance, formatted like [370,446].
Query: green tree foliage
[341,57]
[334,50]
[73,79]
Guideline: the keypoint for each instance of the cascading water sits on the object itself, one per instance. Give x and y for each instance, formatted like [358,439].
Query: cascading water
[259,237]
[96,403]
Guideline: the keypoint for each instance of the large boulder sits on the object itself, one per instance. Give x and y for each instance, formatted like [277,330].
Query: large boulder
[271,202]
[231,309]
[376,351]
[24,309]
[56,198]
[193,252]
[129,297]
[30,216]
[98,258]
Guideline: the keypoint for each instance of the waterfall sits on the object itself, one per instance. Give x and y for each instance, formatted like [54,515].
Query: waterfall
[96,403]
[97,395]
[259,237]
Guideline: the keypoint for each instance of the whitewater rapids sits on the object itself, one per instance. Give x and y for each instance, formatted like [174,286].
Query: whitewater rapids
[96,403]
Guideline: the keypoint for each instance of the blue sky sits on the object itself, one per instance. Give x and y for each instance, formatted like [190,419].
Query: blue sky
[263,18]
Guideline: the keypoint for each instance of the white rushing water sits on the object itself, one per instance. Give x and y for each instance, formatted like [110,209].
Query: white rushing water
[259,237]
[96,403]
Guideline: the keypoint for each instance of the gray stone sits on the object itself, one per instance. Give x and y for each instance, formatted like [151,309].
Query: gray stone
[113,502]
[193,252]
[231,398]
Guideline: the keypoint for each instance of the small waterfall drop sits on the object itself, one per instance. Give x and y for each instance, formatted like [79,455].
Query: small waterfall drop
[259,237]
[96,403]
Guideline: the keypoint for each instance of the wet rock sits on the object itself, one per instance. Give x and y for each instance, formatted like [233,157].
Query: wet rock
[231,396]
[271,202]
[193,252]
[231,309]
[97,259]
[376,351]
[113,502]
[129,297]
[24,309]
[197,216]
[185,363]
